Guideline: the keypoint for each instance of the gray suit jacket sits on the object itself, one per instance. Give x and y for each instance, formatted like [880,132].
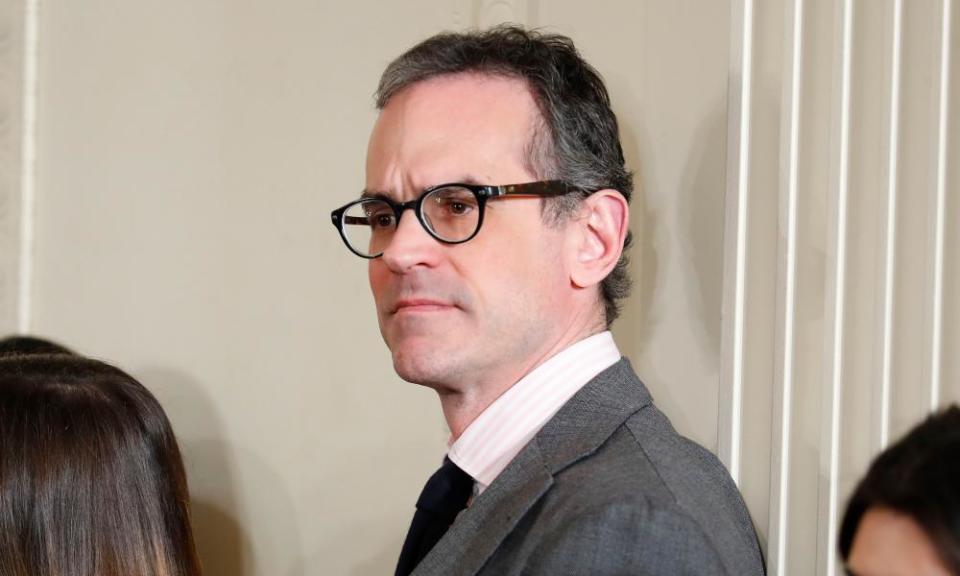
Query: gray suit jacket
[606,487]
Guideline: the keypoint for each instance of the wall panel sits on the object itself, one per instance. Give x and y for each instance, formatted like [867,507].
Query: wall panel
[866,217]
[786,297]
[866,293]
[14,44]
[951,305]
[917,185]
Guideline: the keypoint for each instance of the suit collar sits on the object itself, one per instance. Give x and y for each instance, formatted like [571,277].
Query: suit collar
[507,425]
[591,416]
[584,423]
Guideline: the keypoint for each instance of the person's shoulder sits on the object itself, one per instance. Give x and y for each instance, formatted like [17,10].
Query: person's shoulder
[646,458]
[629,535]
[648,484]
[596,520]
[683,464]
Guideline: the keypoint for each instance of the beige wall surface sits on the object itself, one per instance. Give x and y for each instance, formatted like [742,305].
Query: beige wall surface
[188,157]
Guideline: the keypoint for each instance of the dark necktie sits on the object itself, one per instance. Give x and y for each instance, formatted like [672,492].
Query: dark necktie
[444,496]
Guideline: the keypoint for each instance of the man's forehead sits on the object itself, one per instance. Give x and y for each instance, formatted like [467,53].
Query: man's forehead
[468,128]
[466,102]
[456,84]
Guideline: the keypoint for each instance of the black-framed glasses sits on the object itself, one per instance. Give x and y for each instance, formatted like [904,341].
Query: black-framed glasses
[451,213]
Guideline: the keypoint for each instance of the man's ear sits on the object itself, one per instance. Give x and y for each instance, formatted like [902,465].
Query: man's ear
[598,235]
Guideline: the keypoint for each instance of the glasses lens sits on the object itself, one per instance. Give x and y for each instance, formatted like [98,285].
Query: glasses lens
[368,226]
[452,213]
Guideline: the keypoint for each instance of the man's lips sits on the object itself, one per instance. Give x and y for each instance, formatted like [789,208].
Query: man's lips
[421,305]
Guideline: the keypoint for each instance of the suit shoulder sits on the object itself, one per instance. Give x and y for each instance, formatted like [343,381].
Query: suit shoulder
[694,476]
[646,458]
[660,477]
[625,538]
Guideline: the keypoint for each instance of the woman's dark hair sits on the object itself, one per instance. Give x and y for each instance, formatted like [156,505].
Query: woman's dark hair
[575,140]
[30,345]
[918,477]
[91,479]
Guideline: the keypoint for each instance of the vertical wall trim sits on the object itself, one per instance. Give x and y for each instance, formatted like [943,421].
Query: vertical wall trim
[882,396]
[936,341]
[836,313]
[28,162]
[735,250]
[786,295]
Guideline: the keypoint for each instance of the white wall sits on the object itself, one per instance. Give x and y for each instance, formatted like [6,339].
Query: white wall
[188,155]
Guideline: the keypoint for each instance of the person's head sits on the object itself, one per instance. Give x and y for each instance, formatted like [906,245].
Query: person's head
[30,345]
[904,516]
[497,107]
[91,479]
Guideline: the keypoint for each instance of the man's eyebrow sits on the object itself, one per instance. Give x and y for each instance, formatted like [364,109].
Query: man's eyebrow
[373,194]
[465,179]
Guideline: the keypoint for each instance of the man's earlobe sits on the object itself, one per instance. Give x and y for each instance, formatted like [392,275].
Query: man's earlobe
[600,233]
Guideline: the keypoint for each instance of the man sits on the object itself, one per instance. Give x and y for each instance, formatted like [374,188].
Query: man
[496,289]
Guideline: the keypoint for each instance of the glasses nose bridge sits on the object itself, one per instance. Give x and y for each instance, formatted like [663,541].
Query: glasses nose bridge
[401,207]
[409,243]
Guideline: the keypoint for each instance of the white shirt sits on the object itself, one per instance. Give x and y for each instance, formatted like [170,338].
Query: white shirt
[498,434]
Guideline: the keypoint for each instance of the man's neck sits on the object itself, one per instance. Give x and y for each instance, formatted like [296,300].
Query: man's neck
[463,404]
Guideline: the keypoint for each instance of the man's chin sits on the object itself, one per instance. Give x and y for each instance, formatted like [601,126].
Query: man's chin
[415,372]
[425,367]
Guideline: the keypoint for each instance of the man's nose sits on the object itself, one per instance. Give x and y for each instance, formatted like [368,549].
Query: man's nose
[410,246]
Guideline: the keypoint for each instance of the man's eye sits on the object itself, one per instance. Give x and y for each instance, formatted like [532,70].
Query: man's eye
[458,208]
[380,220]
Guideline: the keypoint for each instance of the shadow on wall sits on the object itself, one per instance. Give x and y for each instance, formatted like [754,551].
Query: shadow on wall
[684,226]
[221,517]
[382,561]
[380,558]
[638,319]
[700,216]
[223,545]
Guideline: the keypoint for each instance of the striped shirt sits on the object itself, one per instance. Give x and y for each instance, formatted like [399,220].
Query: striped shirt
[498,434]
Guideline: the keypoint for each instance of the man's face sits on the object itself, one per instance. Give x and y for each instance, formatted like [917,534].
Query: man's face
[484,312]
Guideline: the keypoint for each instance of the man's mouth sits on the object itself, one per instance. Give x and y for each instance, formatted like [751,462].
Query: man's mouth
[421,305]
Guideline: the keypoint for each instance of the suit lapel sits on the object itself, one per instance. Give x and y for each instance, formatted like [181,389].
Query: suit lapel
[584,423]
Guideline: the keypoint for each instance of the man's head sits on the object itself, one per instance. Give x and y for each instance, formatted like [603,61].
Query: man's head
[575,138]
[497,108]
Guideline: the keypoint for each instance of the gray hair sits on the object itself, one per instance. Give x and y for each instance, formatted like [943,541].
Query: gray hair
[576,139]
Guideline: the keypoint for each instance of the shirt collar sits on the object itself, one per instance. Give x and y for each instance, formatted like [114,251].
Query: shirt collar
[498,434]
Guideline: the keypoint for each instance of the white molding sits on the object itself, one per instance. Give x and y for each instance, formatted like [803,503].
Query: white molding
[739,105]
[18,67]
[882,395]
[939,216]
[836,291]
[28,162]
[777,542]
[10,168]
